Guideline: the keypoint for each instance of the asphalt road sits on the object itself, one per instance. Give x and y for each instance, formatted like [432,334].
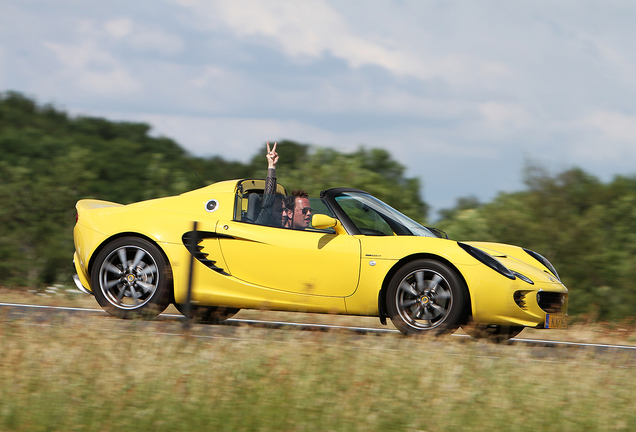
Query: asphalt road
[175,324]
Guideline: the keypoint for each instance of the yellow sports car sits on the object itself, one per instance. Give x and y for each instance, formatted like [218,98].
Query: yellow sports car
[356,256]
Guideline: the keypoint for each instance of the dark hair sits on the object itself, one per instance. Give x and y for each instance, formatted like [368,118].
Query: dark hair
[290,200]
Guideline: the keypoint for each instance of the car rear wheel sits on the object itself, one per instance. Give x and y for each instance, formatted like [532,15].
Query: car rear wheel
[131,277]
[426,296]
[208,314]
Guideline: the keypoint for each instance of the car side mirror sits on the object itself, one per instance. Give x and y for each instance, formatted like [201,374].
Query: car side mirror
[322,221]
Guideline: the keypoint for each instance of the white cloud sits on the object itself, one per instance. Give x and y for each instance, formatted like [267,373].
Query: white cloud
[231,137]
[119,27]
[135,35]
[144,38]
[313,28]
[2,63]
[505,117]
[91,69]
[94,58]
[616,126]
[612,138]
[238,138]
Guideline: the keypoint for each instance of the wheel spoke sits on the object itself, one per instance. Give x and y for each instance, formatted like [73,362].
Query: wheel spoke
[146,286]
[134,295]
[430,316]
[120,295]
[111,283]
[405,286]
[138,256]
[419,278]
[150,269]
[424,314]
[434,283]
[418,312]
[408,303]
[439,309]
[443,295]
[109,267]
[122,257]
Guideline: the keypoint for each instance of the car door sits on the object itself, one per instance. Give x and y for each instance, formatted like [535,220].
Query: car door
[308,261]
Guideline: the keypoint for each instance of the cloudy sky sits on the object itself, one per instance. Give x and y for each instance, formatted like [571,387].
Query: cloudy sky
[463,93]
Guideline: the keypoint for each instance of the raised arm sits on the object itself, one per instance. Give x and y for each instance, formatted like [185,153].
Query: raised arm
[265,215]
[272,157]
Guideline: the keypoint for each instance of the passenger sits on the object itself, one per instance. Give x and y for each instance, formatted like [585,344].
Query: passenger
[280,213]
[268,214]
[300,210]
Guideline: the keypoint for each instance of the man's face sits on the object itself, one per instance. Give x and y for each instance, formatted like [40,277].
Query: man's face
[302,213]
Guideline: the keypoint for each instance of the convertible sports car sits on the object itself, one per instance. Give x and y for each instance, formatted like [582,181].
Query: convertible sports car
[359,256]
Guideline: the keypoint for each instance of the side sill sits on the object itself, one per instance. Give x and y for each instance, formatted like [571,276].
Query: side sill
[79,285]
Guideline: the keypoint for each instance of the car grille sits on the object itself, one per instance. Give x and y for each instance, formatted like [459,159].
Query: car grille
[552,302]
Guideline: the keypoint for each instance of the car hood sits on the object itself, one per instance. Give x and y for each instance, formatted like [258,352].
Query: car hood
[516,259]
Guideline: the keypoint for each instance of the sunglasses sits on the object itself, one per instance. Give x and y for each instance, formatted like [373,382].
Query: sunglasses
[306,210]
[280,209]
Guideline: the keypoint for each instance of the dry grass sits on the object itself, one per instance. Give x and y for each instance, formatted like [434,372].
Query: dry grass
[100,373]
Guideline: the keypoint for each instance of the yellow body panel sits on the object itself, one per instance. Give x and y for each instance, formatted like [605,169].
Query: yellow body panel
[211,288]
[319,271]
[293,261]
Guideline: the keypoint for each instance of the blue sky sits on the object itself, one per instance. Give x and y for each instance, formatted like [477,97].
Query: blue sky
[463,93]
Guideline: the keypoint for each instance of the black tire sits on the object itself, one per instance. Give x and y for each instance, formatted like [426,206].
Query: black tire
[496,333]
[426,296]
[131,278]
[207,314]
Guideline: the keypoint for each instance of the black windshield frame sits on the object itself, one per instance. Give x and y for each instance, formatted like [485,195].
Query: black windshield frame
[396,224]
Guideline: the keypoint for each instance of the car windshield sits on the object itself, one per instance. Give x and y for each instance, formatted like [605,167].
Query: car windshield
[373,217]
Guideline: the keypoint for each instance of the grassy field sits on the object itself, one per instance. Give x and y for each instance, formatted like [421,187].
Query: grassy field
[62,373]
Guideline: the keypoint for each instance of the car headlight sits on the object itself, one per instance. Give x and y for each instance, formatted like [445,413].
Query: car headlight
[543,261]
[488,260]
[523,277]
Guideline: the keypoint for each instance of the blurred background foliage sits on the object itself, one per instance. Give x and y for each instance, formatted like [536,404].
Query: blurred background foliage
[49,160]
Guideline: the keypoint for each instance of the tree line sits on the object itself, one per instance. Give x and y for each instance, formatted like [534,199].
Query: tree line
[49,160]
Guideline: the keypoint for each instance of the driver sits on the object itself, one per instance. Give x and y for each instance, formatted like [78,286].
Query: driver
[299,208]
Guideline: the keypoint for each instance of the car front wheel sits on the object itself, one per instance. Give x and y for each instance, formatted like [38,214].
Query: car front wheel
[131,278]
[426,296]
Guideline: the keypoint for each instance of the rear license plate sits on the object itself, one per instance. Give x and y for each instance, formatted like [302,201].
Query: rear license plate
[556,321]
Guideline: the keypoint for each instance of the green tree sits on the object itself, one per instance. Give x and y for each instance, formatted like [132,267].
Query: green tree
[49,161]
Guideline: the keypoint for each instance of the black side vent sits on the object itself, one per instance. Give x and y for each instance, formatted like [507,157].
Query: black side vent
[191,240]
[520,299]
